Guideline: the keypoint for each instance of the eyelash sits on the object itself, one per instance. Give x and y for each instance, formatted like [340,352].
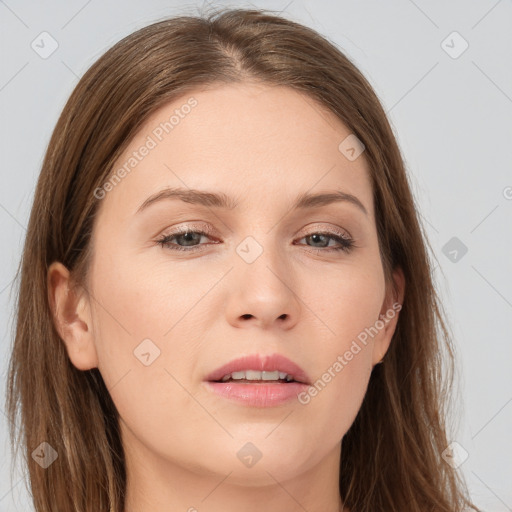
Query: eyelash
[347,244]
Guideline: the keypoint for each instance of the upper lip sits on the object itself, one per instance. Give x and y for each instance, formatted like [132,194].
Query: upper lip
[269,363]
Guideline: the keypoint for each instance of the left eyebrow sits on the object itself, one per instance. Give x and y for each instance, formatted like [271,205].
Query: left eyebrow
[221,200]
[318,200]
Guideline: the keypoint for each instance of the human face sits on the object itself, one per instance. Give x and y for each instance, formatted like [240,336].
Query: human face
[259,283]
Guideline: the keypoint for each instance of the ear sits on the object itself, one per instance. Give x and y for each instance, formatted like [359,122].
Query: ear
[71,313]
[389,316]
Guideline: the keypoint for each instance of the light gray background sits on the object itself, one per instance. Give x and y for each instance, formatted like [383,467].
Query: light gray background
[453,120]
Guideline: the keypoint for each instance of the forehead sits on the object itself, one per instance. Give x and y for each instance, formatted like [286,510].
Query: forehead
[254,142]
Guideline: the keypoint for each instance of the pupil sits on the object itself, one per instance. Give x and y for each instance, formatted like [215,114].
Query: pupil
[315,237]
[187,237]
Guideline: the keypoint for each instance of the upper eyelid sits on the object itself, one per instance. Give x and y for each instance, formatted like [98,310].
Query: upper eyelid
[211,232]
[332,232]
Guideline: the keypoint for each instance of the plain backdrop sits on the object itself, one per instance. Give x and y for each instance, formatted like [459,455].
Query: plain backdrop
[443,71]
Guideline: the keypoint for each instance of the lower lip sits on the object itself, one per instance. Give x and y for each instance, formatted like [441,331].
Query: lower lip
[258,395]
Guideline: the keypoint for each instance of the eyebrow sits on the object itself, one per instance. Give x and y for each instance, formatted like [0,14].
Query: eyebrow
[221,200]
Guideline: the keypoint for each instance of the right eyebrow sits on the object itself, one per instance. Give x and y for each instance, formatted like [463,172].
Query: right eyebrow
[204,198]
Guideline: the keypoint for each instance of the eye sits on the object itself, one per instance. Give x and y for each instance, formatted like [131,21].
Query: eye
[188,236]
[191,238]
[345,243]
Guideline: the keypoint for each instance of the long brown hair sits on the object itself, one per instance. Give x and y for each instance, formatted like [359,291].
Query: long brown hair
[392,454]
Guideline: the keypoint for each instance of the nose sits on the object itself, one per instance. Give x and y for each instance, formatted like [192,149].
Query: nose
[265,293]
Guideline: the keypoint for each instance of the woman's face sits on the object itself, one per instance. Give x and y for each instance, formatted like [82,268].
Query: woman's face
[265,280]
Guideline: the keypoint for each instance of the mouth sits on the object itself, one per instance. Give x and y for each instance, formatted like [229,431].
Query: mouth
[259,368]
[255,376]
[258,380]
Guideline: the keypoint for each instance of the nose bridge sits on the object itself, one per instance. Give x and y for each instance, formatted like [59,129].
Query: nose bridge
[261,240]
[262,257]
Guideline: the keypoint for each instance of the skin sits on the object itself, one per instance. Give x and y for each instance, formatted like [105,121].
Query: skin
[263,146]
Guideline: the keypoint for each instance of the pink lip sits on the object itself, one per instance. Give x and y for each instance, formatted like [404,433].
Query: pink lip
[260,394]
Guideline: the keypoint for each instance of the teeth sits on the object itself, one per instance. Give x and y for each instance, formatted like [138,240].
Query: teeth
[257,375]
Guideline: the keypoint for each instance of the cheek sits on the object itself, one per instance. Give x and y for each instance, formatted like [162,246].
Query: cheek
[138,300]
[345,307]
[345,301]
[146,373]
[146,334]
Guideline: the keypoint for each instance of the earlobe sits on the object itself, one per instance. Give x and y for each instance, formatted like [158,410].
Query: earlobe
[389,316]
[71,315]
